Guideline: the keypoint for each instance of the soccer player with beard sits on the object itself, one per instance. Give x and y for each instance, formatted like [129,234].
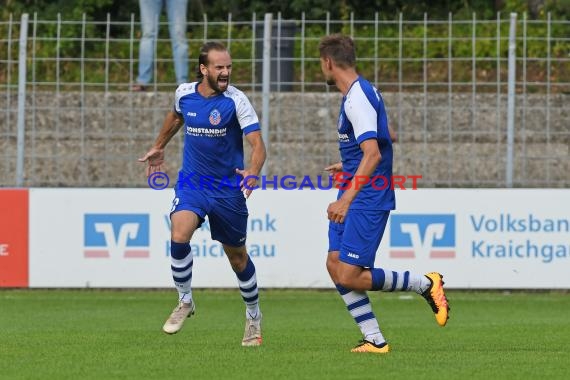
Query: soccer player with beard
[360,213]
[215,117]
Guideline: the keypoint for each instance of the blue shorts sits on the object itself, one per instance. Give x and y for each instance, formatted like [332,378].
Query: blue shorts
[358,238]
[227,216]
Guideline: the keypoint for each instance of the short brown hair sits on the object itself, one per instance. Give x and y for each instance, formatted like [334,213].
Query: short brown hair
[203,57]
[339,48]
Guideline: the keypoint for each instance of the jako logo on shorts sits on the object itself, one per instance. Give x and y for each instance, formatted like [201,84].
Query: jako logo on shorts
[116,235]
[422,235]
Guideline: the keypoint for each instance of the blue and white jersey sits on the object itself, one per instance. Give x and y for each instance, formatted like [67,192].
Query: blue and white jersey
[363,116]
[213,138]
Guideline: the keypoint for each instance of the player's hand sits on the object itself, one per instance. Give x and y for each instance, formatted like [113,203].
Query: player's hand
[333,171]
[334,168]
[247,187]
[337,210]
[155,158]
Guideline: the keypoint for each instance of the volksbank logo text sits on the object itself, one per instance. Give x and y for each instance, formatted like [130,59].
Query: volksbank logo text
[116,235]
[508,236]
[422,235]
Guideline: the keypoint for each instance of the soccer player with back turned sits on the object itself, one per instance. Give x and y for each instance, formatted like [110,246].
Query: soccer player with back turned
[215,116]
[359,215]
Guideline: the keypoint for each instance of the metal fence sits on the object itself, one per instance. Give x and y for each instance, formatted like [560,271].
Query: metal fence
[465,115]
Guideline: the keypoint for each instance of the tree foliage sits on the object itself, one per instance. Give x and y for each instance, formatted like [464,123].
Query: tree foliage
[67,47]
[293,9]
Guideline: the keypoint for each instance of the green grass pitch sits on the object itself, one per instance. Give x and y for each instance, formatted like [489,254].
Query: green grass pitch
[307,334]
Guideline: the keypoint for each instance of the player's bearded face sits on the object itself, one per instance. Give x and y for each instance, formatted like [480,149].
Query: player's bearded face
[219,70]
[219,81]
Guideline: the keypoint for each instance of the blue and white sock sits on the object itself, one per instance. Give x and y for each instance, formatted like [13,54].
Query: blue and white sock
[247,282]
[359,307]
[181,262]
[391,281]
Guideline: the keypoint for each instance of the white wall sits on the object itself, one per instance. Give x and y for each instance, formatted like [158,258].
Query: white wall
[476,238]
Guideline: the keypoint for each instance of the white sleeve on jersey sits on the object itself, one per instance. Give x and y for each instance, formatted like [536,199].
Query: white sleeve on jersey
[244,110]
[183,89]
[360,113]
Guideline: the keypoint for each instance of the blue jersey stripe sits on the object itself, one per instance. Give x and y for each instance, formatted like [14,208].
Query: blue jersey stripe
[251,128]
[366,136]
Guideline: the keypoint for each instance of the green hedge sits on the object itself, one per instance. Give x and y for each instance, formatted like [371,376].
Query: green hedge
[121,68]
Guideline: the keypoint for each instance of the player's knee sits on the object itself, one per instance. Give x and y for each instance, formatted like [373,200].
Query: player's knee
[237,258]
[181,232]
[180,235]
[332,262]
[345,279]
[237,261]
[177,237]
[332,265]
[331,268]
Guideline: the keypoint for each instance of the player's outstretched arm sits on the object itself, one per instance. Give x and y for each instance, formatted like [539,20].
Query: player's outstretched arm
[257,159]
[155,155]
